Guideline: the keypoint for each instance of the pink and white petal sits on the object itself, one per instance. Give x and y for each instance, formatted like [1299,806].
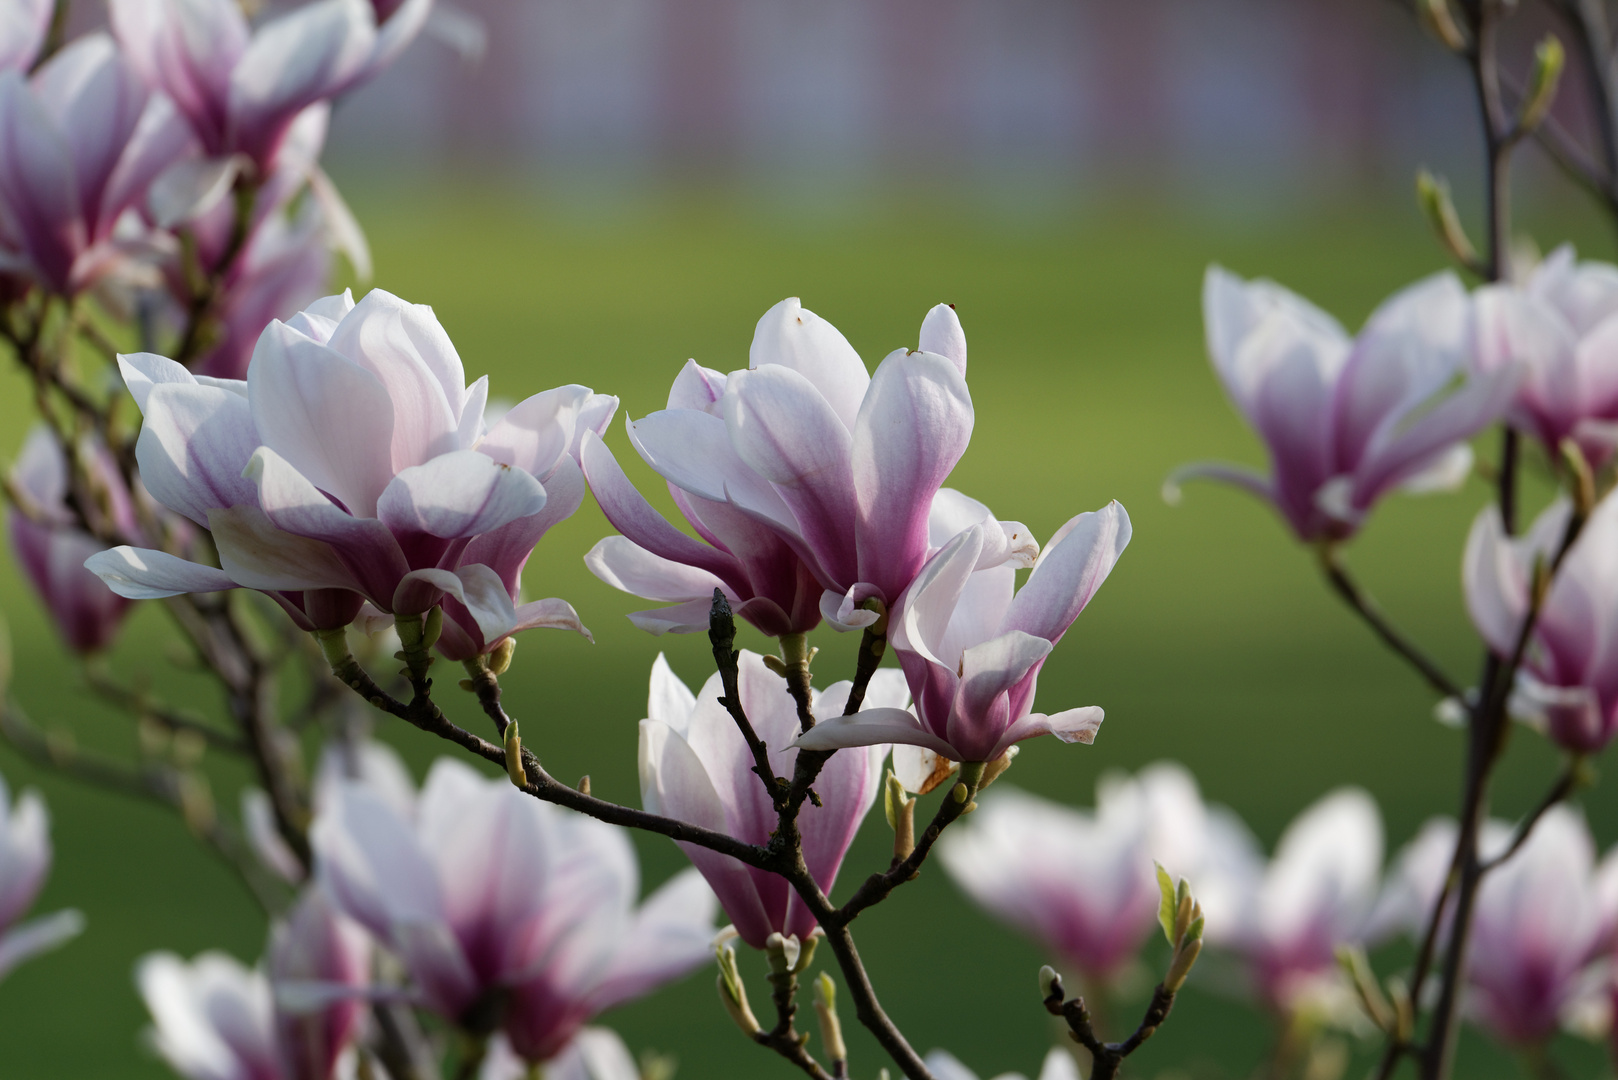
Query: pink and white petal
[634,570]
[257,555]
[912,428]
[979,613]
[191,187]
[319,320]
[799,340]
[537,432]
[96,102]
[550,614]
[699,388]
[419,590]
[1495,583]
[843,612]
[369,860]
[941,333]
[1069,571]
[143,574]
[458,495]
[1479,403]
[194,446]
[632,515]
[1071,726]
[506,549]
[872,727]
[1233,310]
[595,1053]
[1249,480]
[161,137]
[671,935]
[400,29]
[690,617]
[38,936]
[23,26]
[693,451]
[669,700]
[38,183]
[293,61]
[330,418]
[923,618]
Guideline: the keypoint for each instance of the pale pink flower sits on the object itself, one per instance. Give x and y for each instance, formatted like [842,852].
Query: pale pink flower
[809,481]
[595,1053]
[80,141]
[240,87]
[1568,682]
[1559,325]
[1081,882]
[972,644]
[23,26]
[508,913]
[695,766]
[352,464]
[1346,420]
[51,547]
[25,860]
[1058,1065]
[1286,920]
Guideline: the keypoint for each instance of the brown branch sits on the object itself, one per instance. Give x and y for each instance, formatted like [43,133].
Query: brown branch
[1345,586]
[1107,1057]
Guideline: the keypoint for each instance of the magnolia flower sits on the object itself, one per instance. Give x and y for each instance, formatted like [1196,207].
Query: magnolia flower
[214,1019]
[1287,919]
[51,548]
[801,474]
[1347,419]
[1569,678]
[595,1053]
[352,465]
[695,766]
[240,88]
[971,644]
[1083,883]
[23,26]
[1559,325]
[82,140]
[509,913]
[25,859]
[1059,1065]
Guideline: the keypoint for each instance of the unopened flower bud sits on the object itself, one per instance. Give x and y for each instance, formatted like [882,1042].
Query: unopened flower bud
[500,657]
[1050,983]
[1439,20]
[1549,60]
[732,992]
[999,765]
[1184,957]
[831,1030]
[782,952]
[1436,204]
[514,769]
[432,627]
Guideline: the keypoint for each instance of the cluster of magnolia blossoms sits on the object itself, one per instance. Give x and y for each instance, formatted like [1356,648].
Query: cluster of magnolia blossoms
[527,937]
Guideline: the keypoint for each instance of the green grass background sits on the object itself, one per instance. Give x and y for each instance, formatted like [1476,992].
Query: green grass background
[1213,643]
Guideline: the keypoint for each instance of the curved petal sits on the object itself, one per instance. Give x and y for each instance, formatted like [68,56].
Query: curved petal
[1069,571]
[671,935]
[924,612]
[634,570]
[873,727]
[989,670]
[38,184]
[194,446]
[692,450]
[1495,583]
[941,333]
[38,936]
[791,337]
[1071,726]
[257,555]
[537,431]
[143,574]
[292,62]
[458,495]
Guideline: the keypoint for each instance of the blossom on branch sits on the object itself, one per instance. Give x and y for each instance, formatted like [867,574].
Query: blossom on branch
[1561,326]
[353,464]
[25,860]
[239,87]
[1568,682]
[50,545]
[80,141]
[810,481]
[1347,420]
[696,766]
[972,644]
[510,914]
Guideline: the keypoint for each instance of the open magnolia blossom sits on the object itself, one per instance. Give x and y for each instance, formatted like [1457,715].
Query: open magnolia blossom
[240,87]
[695,766]
[595,1053]
[1286,920]
[51,547]
[25,860]
[972,644]
[1082,883]
[1059,1065]
[1568,683]
[1560,325]
[809,480]
[1347,420]
[1543,928]
[83,139]
[214,1019]
[532,930]
[353,465]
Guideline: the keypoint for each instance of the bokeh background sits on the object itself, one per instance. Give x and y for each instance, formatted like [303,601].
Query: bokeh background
[617,185]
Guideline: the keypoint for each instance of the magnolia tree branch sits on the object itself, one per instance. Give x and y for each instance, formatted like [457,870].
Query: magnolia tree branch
[1346,587]
[1107,1058]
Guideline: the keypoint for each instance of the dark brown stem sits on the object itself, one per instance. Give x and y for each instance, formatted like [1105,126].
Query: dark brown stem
[206,294]
[1346,587]
[1107,1057]
[722,635]
[1569,781]
[782,1038]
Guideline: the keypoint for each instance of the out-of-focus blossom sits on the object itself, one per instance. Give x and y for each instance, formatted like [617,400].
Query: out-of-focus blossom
[972,644]
[352,465]
[809,481]
[1542,927]
[214,1019]
[25,859]
[1569,678]
[1347,420]
[695,766]
[51,548]
[1058,1065]
[1287,919]
[509,913]
[1082,883]
[595,1053]
[82,139]
[23,26]
[240,87]
[1559,325]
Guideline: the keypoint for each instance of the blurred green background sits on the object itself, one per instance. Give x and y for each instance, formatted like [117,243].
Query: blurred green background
[1213,643]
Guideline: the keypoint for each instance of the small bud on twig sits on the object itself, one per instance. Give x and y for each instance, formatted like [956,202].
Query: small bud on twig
[1439,20]
[732,992]
[500,658]
[584,784]
[782,951]
[1549,60]
[831,1030]
[514,769]
[1433,194]
[1583,480]
[1050,983]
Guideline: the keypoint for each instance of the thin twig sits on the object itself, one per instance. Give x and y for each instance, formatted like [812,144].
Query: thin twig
[1568,782]
[1107,1057]
[1346,587]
